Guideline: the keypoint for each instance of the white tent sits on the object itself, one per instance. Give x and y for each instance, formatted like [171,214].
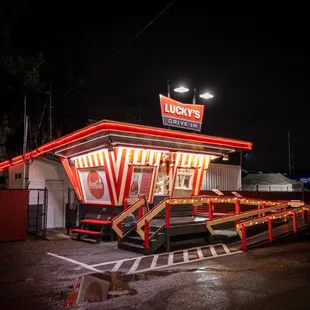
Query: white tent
[273,182]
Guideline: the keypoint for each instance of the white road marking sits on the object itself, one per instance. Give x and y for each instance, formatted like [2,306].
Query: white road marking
[213,252]
[153,266]
[73,261]
[135,265]
[154,261]
[225,247]
[116,266]
[185,256]
[115,261]
[192,261]
[200,255]
[170,259]
[128,259]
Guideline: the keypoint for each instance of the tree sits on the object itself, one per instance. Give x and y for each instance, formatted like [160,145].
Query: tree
[20,69]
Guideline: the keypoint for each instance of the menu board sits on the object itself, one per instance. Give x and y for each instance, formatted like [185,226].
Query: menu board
[141,181]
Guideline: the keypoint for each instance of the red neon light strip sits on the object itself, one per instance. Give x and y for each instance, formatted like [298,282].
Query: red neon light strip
[125,128]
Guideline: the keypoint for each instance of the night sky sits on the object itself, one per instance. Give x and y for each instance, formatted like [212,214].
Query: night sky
[252,58]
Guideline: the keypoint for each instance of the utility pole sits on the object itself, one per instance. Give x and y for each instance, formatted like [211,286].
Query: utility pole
[25,139]
[168,89]
[50,114]
[194,95]
[289,152]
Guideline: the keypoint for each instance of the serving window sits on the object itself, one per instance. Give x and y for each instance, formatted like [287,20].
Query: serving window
[184,182]
[162,182]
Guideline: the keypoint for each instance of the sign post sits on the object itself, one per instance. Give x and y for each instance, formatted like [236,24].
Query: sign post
[181,115]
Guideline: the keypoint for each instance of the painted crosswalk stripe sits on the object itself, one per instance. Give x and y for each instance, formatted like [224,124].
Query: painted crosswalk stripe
[135,265]
[185,256]
[154,261]
[170,259]
[117,266]
[200,255]
[147,263]
[213,252]
[225,247]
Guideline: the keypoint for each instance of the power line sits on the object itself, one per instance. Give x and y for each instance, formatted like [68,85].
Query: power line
[117,52]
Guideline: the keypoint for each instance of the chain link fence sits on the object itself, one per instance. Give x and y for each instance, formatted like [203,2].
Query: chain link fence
[37,212]
[75,211]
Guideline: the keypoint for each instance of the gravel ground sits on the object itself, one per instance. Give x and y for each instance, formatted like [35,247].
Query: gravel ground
[268,278]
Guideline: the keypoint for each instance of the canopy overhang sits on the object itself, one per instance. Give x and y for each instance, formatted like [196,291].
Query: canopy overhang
[110,134]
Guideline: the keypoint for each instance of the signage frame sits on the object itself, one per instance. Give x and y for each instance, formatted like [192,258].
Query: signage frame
[181,115]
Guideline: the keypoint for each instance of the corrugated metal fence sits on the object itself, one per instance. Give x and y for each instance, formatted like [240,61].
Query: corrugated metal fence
[222,177]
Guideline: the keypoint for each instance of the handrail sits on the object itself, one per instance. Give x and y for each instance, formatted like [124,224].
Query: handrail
[149,215]
[263,219]
[120,217]
[243,200]
[159,207]
[232,218]
[202,199]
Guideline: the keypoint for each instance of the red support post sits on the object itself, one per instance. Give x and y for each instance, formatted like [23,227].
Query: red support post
[125,205]
[263,207]
[243,231]
[194,210]
[210,204]
[120,226]
[167,210]
[140,212]
[237,207]
[146,234]
[270,230]
[259,207]
[295,222]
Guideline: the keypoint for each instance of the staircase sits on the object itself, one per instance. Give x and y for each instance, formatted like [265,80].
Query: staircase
[133,242]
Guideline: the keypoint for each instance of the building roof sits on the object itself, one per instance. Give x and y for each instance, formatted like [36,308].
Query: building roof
[268,179]
[109,133]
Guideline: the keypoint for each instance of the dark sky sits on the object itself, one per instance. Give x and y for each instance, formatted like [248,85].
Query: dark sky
[251,55]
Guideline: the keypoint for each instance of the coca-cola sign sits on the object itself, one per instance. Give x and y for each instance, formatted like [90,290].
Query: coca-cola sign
[95,184]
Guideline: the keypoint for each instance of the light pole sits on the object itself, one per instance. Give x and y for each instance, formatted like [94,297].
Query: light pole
[181,89]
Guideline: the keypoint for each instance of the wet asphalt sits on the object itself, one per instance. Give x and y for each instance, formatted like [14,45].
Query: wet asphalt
[276,277]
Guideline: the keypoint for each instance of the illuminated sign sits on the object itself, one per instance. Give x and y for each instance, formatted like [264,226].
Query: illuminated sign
[94,185]
[180,115]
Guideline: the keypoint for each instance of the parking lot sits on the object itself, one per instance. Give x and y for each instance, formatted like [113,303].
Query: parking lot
[41,274]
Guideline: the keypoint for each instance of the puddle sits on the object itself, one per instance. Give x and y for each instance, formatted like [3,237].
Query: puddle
[98,287]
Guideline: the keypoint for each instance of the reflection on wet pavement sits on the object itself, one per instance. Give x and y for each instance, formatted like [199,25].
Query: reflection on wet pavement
[98,287]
